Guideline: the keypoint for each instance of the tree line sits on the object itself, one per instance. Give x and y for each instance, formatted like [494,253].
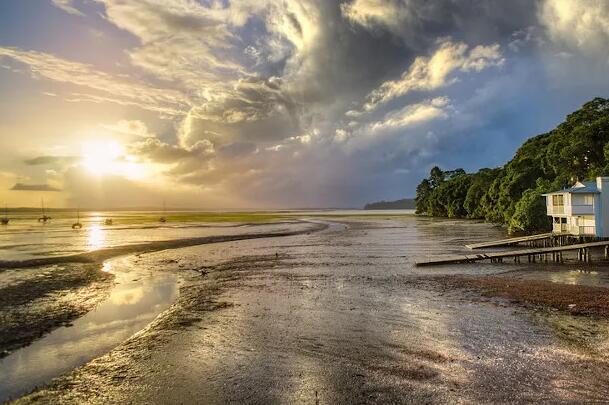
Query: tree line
[577,149]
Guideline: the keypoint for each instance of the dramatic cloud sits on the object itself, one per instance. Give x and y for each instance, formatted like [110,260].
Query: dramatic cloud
[411,115]
[581,25]
[160,152]
[431,73]
[290,102]
[371,13]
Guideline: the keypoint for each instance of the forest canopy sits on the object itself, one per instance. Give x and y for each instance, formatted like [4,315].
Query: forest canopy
[577,149]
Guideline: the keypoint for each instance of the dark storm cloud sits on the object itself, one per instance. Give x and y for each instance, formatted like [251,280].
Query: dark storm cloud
[321,102]
[338,54]
[33,187]
[51,160]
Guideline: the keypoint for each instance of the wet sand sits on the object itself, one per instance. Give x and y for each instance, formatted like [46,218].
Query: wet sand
[37,295]
[342,315]
[34,301]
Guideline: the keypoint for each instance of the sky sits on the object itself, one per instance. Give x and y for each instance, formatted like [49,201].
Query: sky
[229,104]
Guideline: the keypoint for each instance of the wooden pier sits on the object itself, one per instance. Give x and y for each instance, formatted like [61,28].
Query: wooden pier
[540,254]
[513,241]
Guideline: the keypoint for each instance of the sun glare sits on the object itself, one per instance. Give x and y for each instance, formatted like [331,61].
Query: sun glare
[108,157]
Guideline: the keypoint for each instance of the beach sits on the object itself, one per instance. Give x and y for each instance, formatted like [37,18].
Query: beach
[305,308]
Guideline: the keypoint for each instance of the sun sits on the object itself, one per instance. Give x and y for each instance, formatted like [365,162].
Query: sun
[108,157]
[101,157]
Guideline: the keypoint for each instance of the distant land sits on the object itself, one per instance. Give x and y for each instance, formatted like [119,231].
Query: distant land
[403,204]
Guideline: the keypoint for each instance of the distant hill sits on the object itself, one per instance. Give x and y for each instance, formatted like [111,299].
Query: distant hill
[404,204]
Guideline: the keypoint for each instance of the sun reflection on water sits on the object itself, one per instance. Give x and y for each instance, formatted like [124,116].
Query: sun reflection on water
[96,237]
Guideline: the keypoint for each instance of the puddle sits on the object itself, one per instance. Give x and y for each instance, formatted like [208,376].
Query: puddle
[137,298]
[590,276]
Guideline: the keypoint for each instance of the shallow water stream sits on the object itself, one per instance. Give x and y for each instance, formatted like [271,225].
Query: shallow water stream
[136,299]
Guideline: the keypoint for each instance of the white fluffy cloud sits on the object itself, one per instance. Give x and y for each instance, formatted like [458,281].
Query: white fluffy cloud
[434,72]
[412,115]
[67,6]
[370,13]
[581,25]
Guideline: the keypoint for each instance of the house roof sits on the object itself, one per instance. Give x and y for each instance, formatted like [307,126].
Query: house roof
[585,187]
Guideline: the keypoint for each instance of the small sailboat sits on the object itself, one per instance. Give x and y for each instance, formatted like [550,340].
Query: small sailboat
[44,218]
[77,224]
[5,220]
[163,218]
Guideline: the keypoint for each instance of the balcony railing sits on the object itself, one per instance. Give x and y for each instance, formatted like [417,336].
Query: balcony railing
[574,230]
[587,230]
[582,209]
[556,209]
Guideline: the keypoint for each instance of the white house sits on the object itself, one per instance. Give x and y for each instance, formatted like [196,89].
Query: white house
[582,209]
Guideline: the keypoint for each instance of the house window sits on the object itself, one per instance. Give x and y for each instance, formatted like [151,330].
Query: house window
[558,199]
[588,199]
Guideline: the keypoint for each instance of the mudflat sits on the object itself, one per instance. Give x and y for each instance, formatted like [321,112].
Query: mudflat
[342,315]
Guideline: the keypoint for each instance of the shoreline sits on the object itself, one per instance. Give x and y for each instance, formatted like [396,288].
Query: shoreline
[52,297]
[99,255]
[53,292]
[222,281]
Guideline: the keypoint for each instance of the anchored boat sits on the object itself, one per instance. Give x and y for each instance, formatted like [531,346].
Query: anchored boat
[5,220]
[77,224]
[163,218]
[44,218]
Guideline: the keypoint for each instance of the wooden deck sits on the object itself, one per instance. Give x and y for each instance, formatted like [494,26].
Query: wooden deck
[511,241]
[553,254]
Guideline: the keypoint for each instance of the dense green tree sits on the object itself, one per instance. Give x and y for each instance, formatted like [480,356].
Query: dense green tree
[577,149]
[423,191]
[436,176]
[480,183]
[530,214]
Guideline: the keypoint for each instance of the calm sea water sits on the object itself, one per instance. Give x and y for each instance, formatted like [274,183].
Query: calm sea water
[26,238]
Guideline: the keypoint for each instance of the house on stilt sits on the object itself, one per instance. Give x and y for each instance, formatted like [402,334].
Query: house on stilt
[581,210]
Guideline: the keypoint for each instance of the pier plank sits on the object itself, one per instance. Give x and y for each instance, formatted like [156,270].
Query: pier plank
[510,241]
[509,254]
